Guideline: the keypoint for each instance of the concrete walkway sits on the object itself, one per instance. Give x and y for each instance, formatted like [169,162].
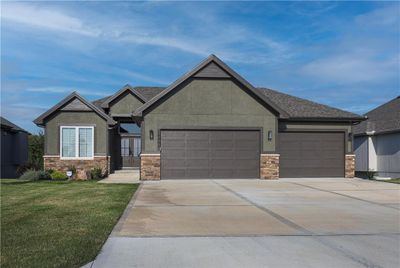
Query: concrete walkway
[256,223]
[123,176]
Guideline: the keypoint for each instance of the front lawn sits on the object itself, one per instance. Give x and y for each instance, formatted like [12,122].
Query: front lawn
[58,224]
[393,181]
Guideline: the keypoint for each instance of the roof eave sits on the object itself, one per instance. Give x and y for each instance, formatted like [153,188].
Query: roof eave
[375,133]
[330,119]
[106,103]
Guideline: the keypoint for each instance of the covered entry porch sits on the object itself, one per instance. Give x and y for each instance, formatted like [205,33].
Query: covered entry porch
[125,145]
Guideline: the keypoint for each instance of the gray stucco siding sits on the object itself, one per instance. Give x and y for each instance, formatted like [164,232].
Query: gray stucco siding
[320,126]
[206,103]
[63,118]
[126,104]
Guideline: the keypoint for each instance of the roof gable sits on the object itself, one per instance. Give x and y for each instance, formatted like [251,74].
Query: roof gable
[212,70]
[123,90]
[73,102]
[383,119]
[215,68]
[75,105]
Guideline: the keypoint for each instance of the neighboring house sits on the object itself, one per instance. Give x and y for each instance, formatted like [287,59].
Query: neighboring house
[14,148]
[377,141]
[210,123]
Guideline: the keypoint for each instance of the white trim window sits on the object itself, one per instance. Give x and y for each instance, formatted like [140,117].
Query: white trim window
[76,142]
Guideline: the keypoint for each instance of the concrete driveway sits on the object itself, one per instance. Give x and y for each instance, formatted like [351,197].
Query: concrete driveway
[257,223]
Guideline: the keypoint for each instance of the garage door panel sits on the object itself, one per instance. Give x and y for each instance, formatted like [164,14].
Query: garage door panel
[245,163]
[220,135]
[220,153]
[196,173]
[245,154]
[222,173]
[245,144]
[174,173]
[174,144]
[311,154]
[223,144]
[196,144]
[173,163]
[210,154]
[174,153]
[221,163]
[199,163]
[195,154]
[250,173]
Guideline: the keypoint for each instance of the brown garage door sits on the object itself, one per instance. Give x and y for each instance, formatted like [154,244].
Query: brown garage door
[306,154]
[189,154]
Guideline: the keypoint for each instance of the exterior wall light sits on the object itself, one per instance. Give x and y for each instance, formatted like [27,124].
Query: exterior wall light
[269,136]
[151,135]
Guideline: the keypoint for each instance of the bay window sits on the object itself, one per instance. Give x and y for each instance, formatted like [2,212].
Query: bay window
[76,142]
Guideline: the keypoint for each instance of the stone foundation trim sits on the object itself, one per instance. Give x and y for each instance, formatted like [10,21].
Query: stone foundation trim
[350,160]
[269,166]
[150,167]
[82,166]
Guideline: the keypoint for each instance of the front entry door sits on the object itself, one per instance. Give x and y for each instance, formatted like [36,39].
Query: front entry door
[130,150]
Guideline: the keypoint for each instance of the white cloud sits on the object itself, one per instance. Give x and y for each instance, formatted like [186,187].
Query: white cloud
[367,51]
[37,16]
[351,68]
[59,90]
[386,16]
[219,38]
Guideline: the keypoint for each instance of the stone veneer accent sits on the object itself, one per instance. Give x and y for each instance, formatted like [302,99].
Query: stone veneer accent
[269,166]
[150,167]
[350,165]
[54,162]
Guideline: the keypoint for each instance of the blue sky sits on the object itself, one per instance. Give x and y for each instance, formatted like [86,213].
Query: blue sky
[341,54]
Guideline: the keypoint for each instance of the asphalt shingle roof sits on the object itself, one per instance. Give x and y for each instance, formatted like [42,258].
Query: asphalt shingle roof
[383,119]
[9,125]
[300,108]
[294,106]
[149,92]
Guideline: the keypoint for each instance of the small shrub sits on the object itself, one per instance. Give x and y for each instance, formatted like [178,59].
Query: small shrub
[88,174]
[36,150]
[21,169]
[34,175]
[96,173]
[43,175]
[50,170]
[370,174]
[58,175]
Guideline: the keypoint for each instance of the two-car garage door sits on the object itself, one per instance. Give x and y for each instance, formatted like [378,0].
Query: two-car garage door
[188,154]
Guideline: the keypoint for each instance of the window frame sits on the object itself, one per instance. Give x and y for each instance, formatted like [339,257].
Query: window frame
[76,157]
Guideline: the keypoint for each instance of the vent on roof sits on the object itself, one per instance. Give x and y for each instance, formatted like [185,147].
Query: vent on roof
[76,105]
[212,70]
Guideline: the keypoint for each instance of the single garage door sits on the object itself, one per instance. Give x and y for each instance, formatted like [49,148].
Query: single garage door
[310,154]
[190,154]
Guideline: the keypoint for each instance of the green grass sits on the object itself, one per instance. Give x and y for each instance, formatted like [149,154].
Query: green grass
[393,181]
[57,224]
